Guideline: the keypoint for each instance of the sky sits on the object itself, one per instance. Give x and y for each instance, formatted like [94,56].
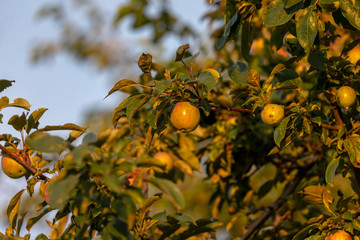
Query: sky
[68,89]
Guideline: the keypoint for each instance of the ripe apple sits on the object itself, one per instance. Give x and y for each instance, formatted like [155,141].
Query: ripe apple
[346,96]
[12,168]
[339,235]
[272,114]
[164,159]
[185,117]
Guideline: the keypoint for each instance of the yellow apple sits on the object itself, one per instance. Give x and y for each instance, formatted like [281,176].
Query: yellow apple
[12,168]
[185,117]
[339,235]
[346,96]
[272,114]
[164,159]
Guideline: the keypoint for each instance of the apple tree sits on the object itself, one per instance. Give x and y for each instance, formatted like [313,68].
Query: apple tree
[271,121]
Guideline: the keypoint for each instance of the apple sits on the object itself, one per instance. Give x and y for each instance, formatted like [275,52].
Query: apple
[339,235]
[272,114]
[346,96]
[185,117]
[164,159]
[12,168]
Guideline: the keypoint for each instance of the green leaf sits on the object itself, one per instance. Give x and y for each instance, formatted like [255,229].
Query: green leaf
[307,28]
[220,42]
[316,194]
[33,120]
[317,60]
[34,220]
[121,84]
[13,209]
[67,126]
[18,122]
[208,80]
[351,10]
[170,189]
[238,73]
[135,105]
[160,87]
[181,52]
[59,190]
[44,142]
[302,234]
[246,40]
[42,237]
[331,169]
[113,182]
[280,131]
[352,146]
[75,158]
[5,84]
[275,14]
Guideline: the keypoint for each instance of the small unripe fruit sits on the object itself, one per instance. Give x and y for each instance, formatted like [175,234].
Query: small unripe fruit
[346,96]
[185,117]
[272,114]
[11,168]
[339,235]
[164,159]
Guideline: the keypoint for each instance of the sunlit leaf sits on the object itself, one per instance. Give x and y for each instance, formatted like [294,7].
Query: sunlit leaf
[275,14]
[307,27]
[331,169]
[351,10]
[352,146]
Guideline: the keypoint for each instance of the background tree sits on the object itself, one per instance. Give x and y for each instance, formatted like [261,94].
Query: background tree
[272,121]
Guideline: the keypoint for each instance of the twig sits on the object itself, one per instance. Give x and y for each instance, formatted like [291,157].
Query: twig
[21,162]
[231,108]
[330,127]
[291,186]
[339,121]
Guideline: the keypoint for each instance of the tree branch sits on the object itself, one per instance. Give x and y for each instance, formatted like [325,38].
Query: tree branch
[231,108]
[339,121]
[289,189]
[330,127]
[19,160]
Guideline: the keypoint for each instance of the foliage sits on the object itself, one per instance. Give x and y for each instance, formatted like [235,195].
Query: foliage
[296,180]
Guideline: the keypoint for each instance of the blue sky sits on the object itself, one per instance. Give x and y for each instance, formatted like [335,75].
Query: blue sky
[66,88]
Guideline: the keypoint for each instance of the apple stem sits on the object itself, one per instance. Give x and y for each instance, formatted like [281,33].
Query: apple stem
[21,162]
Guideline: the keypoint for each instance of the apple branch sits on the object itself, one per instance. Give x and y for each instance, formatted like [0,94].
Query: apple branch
[270,210]
[21,162]
[231,108]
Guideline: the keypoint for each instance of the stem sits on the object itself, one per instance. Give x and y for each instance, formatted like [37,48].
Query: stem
[21,162]
[339,121]
[231,108]
[289,189]
[330,127]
